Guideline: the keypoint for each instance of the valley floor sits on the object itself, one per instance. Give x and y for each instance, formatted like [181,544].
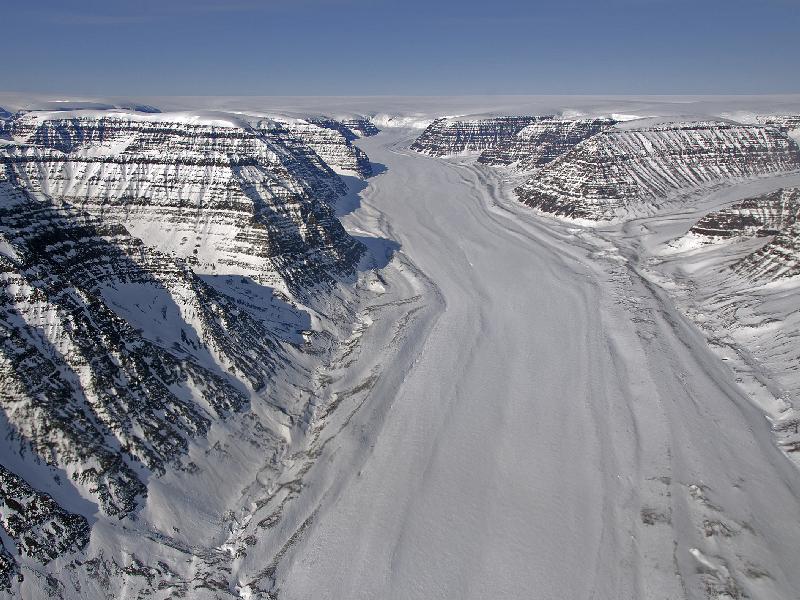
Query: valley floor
[560,430]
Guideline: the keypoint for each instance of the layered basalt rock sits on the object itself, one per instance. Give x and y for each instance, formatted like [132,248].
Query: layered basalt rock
[114,356]
[785,123]
[333,142]
[328,123]
[5,125]
[151,267]
[754,217]
[227,196]
[40,528]
[773,216]
[360,126]
[446,137]
[542,142]
[742,264]
[630,170]
[8,569]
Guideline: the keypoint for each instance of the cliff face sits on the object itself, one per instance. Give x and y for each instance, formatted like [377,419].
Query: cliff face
[147,366]
[785,123]
[360,126]
[114,355]
[225,196]
[333,142]
[542,142]
[40,528]
[774,217]
[736,270]
[627,171]
[451,136]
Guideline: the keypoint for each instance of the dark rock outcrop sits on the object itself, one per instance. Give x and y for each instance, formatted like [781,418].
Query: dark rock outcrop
[361,126]
[39,527]
[151,343]
[542,142]
[333,142]
[773,216]
[90,386]
[785,123]
[446,137]
[225,196]
[629,170]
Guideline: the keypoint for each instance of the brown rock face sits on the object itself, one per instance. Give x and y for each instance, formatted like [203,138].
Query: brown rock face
[622,172]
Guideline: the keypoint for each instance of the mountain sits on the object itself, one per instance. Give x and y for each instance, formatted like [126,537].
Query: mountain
[38,526]
[160,277]
[210,389]
[735,272]
[772,217]
[542,142]
[332,141]
[632,168]
[785,123]
[445,137]
[360,126]
[225,195]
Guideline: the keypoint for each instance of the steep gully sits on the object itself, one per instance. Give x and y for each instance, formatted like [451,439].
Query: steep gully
[549,426]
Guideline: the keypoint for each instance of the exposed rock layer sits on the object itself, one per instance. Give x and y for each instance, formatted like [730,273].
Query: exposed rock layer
[135,326]
[40,528]
[82,385]
[361,126]
[333,142]
[229,198]
[542,142]
[773,216]
[785,123]
[451,136]
[621,172]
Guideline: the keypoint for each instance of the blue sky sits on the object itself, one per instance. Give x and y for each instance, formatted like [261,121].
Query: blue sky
[394,47]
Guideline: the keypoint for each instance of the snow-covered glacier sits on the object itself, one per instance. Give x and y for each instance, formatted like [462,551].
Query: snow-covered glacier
[399,348]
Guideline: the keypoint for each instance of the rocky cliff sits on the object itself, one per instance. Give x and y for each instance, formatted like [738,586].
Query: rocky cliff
[785,123]
[632,168]
[360,126]
[333,142]
[446,137]
[542,142]
[153,358]
[774,217]
[40,529]
[115,355]
[736,274]
[227,196]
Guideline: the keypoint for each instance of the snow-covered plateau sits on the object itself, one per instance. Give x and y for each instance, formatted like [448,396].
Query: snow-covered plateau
[508,347]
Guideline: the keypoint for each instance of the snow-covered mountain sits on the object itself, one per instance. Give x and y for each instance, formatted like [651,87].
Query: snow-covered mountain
[542,142]
[360,126]
[332,141]
[448,136]
[599,169]
[39,527]
[221,193]
[170,282]
[785,123]
[772,217]
[632,168]
[735,272]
